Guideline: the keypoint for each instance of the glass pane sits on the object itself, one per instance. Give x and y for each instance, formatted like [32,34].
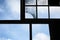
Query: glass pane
[9,9]
[40,32]
[42,2]
[30,2]
[30,12]
[14,31]
[54,12]
[42,12]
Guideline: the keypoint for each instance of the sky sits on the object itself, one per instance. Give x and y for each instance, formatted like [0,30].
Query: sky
[30,11]
[40,32]
[14,31]
[9,9]
[42,12]
[21,32]
[39,2]
[54,12]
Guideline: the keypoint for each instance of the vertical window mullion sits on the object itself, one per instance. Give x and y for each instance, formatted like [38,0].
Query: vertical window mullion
[48,12]
[30,31]
[36,9]
[22,9]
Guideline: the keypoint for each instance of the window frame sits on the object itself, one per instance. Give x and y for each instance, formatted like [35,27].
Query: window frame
[33,21]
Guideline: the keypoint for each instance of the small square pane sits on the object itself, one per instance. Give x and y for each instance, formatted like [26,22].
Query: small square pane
[40,32]
[30,2]
[30,12]
[42,12]
[14,32]
[55,12]
[10,9]
[42,2]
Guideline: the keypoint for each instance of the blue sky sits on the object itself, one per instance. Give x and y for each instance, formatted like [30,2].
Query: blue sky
[9,9]
[42,12]
[40,32]
[21,32]
[14,31]
[54,12]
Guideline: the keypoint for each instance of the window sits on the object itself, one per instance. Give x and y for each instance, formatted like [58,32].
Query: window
[40,32]
[30,12]
[37,9]
[27,19]
[42,2]
[30,2]
[54,12]
[14,32]
[10,10]
[42,12]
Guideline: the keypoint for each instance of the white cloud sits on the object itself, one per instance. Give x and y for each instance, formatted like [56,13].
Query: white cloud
[9,39]
[5,38]
[41,36]
[27,15]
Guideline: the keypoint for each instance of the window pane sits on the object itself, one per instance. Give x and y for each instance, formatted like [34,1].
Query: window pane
[42,12]
[9,9]
[14,31]
[30,12]
[40,32]
[54,12]
[30,2]
[42,2]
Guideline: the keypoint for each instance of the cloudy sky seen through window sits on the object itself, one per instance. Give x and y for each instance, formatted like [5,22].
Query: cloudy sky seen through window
[22,32]
[14,32]
[40,32]
[9,9]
